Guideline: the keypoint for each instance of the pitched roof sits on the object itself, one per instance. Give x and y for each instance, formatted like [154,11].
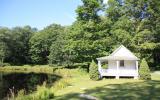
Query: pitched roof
[121,53]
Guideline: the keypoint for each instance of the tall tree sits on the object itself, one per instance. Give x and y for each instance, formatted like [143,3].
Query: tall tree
[20,44]
[145,16]
[88,35]
[58,55]
[4,44]
[89,10]
[41,41]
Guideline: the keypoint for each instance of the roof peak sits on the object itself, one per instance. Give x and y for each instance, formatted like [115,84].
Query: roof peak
[122,51]
[118,49]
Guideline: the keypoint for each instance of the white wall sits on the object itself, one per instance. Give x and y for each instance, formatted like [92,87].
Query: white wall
[127,64]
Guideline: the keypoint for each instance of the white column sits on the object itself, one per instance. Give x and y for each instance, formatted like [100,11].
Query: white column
[136,77]
[99,65]
[117,76]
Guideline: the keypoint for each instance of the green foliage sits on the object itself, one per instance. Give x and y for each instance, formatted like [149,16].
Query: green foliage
[14,47]
[4,64]
[122,37]
[4,44]
[88,37]
[43,93]
[98,29]
[89,10]
[93,71]
[58,54]
[104,65]
[60,84]
[28,68]
[114,10]
[19,44]
[3,52]
[40,43]
[144,70]
[22,96]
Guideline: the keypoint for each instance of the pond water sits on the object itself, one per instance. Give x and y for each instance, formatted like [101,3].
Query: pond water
[26,81]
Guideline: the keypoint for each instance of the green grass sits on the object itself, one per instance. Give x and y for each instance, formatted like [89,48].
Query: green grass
[42,93]
[105,89]
[28,69]
[76,82]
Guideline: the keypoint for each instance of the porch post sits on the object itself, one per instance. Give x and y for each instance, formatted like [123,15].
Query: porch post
[136,77]
[99,65]
[117,76]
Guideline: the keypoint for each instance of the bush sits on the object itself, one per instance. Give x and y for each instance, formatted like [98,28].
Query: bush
[22,96]
[43,93]
[60,84]
[144,70]
[93,71]
[82,70]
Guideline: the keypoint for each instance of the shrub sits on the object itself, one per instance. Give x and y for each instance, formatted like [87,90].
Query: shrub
[82,70]
[21,96]
[60,84]
[65,73]
[43,93]
[93,71]
[144,70]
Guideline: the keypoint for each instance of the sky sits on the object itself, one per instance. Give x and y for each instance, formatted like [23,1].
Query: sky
[37,13]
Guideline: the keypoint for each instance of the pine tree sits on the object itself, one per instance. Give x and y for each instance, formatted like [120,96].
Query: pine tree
[93,71]
[144,70]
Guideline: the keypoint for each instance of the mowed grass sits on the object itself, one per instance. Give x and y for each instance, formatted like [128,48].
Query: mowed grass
[82,88]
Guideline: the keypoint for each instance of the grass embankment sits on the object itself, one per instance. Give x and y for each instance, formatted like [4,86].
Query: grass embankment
[28,69]
[76,85]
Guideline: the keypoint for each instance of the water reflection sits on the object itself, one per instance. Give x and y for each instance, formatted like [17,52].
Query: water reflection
[26,81]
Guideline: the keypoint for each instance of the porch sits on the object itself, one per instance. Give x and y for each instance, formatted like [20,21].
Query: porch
[114,69]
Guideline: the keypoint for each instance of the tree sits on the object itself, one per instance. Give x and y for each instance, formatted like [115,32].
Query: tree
[41,41]
[93,71]
[114,10]
[88,35]
[145,18]
[144,70]
[89,10]
[153,11]
[19,45]
[58,54]
[4,44]
[3,52]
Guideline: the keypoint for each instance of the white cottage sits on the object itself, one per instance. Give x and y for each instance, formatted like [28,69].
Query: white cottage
[121,63]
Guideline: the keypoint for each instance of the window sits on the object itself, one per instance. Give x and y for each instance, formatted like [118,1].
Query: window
[122,63]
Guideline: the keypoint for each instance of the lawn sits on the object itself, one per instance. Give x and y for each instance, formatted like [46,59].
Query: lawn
[76,85]
[81,87]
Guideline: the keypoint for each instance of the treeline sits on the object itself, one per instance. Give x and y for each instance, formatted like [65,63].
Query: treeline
[98,30]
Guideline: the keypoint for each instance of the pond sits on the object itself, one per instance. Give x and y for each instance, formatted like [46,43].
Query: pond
[26,81]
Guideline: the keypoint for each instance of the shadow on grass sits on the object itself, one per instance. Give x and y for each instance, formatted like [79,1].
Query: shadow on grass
[147,90]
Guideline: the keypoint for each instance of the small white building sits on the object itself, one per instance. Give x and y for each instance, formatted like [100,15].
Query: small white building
[121,63]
